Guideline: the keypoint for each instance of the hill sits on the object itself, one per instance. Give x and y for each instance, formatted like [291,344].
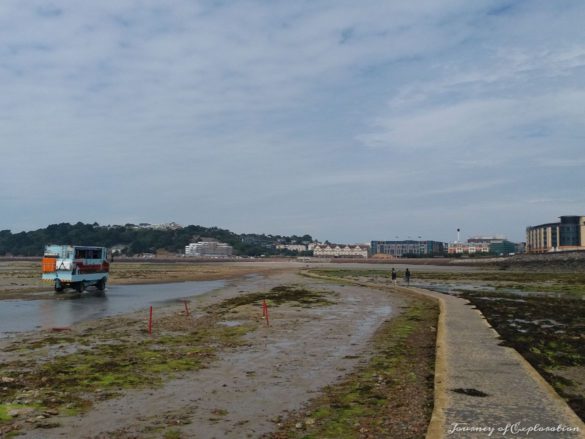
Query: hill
[135,239]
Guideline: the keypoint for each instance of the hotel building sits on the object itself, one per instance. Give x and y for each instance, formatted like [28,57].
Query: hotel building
[566,235]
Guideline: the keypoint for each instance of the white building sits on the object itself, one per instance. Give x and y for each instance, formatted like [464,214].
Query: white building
[340,251]
[165,226]
[292,247]
[209,249]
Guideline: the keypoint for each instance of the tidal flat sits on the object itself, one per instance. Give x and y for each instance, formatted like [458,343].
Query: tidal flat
[540,314]
[48,376]
[22,279]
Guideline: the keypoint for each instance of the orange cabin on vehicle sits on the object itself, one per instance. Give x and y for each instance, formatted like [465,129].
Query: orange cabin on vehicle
[49,264]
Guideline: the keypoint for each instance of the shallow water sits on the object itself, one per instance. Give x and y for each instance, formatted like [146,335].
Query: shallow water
[456,288]
[66,310]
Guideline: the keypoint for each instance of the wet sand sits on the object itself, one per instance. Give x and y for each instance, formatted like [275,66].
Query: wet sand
[247,391]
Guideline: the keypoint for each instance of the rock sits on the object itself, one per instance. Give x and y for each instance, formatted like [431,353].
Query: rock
[298,425]
[7,380]
[309,421]
[22,411]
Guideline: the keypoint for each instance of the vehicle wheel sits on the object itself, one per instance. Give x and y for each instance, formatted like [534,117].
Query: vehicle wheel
[80,287]
[58,286]
[101,284]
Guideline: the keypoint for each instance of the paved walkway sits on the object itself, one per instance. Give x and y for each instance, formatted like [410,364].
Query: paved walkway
[518,401]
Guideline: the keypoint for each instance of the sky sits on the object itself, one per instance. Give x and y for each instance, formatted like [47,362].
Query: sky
[350,121]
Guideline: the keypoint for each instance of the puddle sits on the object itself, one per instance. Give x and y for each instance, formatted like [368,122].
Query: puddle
[28,315]
[471,392]
[501,299]
[456,288]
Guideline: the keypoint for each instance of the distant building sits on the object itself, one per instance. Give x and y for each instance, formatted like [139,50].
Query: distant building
[209,249]
[488,238]
[165,226]
[292,247]
[340,251]
[566,235]
[502,247]
[259,240]
[468,248]
[496,245]
[118,249]
[399,249]
[520,247]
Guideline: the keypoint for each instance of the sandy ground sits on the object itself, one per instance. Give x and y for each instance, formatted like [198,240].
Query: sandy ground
[247,391]
[22,279]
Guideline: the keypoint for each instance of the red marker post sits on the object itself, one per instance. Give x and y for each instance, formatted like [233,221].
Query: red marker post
[265,312]
[150,322]
[187,311]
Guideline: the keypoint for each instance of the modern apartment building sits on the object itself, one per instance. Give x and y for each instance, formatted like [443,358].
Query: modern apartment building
[408,248]
[566,235]
[496,245]
[503,247]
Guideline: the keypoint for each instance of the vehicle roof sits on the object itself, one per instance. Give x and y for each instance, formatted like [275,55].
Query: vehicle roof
[73,246]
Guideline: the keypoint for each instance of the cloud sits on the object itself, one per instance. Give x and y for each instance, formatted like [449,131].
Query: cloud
[243,114]
[488,125]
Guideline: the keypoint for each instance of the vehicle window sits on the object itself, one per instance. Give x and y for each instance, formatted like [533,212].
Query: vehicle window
[88,253]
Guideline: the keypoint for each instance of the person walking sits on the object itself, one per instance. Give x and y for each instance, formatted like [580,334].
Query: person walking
[394,276]
[407,276]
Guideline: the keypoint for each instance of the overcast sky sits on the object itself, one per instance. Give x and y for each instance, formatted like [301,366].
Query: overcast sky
[347,120]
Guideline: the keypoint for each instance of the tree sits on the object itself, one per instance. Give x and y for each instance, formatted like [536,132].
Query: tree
[138,240]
